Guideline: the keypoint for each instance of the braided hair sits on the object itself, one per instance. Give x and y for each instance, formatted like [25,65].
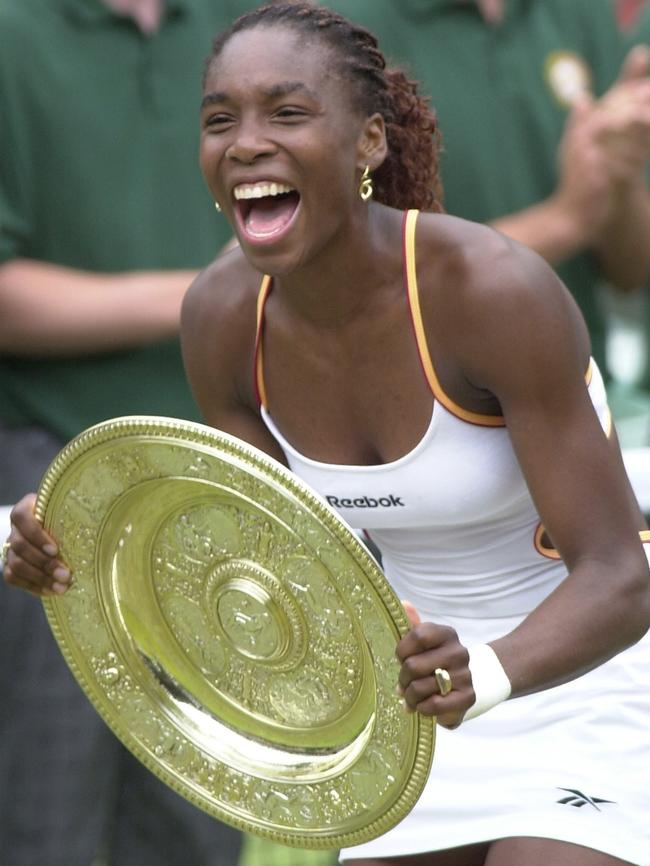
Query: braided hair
[408,177]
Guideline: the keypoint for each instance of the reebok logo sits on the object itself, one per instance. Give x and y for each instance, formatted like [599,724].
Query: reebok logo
[389,501]
[578,799]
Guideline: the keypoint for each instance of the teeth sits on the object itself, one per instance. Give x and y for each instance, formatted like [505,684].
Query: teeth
[261,190]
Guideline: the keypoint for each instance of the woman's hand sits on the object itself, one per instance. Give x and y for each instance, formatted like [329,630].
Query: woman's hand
[31,561]
[425,649]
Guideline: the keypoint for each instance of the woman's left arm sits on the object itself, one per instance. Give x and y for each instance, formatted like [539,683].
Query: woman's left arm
[516,333]
[535,360]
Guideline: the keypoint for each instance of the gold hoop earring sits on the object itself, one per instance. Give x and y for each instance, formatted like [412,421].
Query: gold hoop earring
[217,207]
[365,185]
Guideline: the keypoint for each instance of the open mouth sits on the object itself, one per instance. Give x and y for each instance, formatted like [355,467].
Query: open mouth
[265,210]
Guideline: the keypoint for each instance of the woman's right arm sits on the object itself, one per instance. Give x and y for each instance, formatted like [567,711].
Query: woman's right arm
[218,319]
[218,340]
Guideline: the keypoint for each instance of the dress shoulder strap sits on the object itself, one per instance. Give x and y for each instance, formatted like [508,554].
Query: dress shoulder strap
[411,280]
[258,362]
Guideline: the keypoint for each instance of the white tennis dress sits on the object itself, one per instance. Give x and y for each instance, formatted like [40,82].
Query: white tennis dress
[571,763]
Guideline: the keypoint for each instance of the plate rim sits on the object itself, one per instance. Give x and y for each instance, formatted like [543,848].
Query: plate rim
[158,426]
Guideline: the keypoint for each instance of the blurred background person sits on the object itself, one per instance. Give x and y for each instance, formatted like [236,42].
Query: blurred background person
[517,85]
[628,11]
[103,222]
[631,313]
[545,127]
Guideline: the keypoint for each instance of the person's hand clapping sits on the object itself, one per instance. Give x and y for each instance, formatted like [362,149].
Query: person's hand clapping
[586,187]
[622,117]
[32,563]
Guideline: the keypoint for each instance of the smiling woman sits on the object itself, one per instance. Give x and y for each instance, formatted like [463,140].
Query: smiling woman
[432,381]
[247,120]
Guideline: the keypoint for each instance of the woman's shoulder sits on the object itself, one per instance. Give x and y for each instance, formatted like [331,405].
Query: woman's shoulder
[218,316]
[482,265]
[228,280]
[223,296]
[479,287]
[463,244]
[218,322]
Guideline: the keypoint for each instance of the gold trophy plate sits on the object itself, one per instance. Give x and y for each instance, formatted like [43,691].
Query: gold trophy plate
[233,632]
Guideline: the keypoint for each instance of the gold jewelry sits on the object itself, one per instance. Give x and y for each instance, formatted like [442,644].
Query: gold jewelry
[5,553]
[365,185]
[444,681]
[217,207]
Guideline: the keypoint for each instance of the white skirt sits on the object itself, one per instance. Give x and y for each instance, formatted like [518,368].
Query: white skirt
[571,763]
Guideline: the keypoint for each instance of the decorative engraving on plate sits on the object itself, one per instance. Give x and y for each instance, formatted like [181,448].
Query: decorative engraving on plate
[289,622]
[258,587]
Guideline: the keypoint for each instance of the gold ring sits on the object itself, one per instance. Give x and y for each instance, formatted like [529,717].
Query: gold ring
[444,681]
[5,552]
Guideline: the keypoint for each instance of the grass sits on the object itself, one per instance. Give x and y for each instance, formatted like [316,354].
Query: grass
[260,852]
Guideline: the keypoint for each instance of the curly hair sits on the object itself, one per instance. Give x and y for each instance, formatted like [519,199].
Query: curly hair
[409,176]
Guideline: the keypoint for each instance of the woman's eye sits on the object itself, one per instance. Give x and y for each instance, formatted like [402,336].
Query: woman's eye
[218,121]
[291,113]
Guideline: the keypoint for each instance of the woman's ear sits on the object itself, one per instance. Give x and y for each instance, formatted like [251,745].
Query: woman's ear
[372,147]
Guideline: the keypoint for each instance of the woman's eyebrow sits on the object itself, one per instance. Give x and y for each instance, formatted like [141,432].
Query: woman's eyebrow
[213,98]
[275,91]
[285,88]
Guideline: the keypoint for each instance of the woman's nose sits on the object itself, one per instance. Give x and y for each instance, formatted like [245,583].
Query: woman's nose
[250,144]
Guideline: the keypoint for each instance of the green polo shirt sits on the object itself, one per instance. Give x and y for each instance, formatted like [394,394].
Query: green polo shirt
[99,129]
[499,92]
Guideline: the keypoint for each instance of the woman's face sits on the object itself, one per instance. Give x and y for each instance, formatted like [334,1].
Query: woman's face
[281,145]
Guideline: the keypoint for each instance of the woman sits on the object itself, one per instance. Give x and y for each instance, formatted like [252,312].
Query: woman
[431,365]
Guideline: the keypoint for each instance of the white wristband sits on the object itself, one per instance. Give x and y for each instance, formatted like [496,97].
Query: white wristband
[490,681]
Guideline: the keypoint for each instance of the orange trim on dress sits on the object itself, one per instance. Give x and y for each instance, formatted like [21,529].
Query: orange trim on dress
[410,276]
[540,547]
[421,339]
[258,373]
[551,552]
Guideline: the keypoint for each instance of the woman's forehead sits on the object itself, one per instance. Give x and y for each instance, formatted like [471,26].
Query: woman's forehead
[277,53]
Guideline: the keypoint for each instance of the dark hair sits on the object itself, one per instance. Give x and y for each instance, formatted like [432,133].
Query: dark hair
[408,177]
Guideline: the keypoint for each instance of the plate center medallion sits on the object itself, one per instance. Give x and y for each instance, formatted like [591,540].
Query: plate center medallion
[258,618]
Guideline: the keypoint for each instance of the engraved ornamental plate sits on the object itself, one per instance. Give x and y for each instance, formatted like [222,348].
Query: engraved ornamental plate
[233,632]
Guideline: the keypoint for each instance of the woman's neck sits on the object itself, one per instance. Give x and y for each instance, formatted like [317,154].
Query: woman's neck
[337,285]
